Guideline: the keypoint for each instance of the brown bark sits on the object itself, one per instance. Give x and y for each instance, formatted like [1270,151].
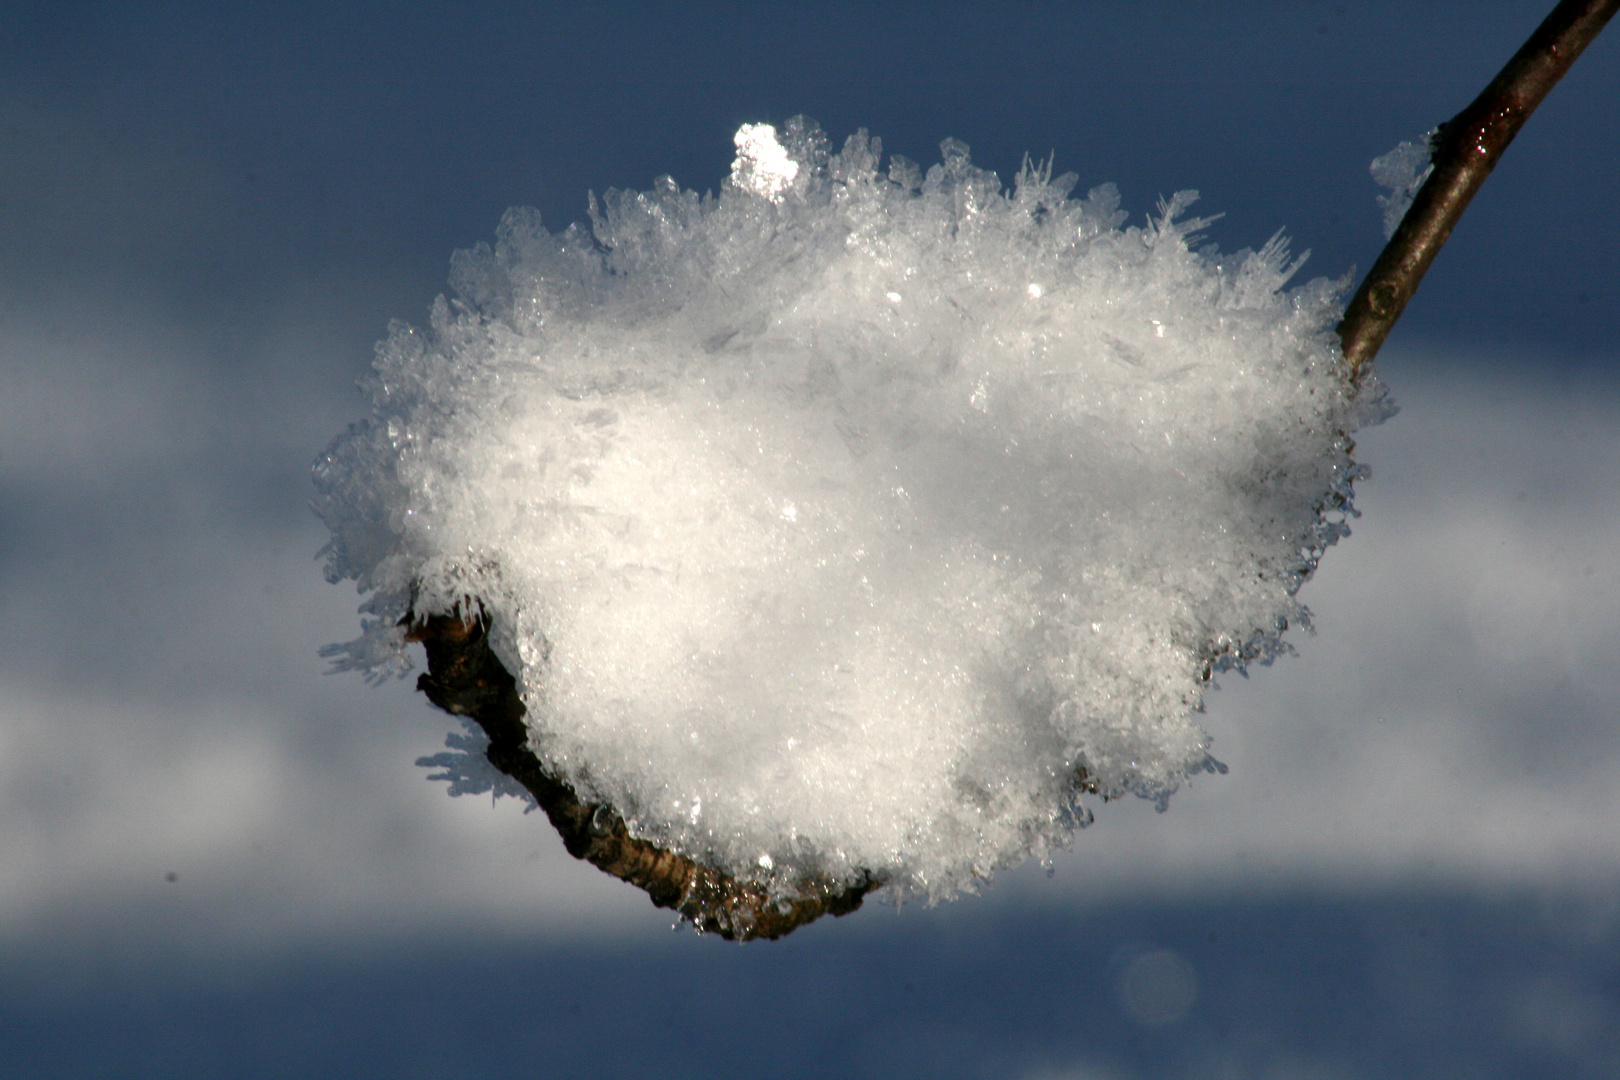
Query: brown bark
[465,678]
[1465,150]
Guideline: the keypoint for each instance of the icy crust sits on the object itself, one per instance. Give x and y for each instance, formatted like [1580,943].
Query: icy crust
[855,520]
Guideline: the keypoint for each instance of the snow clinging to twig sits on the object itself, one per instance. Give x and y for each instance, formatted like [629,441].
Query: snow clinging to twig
[857,519]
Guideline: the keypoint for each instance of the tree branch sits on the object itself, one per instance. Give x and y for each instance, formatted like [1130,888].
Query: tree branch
[466,679]
[1466,149]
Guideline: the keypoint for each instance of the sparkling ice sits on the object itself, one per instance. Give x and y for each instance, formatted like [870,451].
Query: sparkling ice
[855,519]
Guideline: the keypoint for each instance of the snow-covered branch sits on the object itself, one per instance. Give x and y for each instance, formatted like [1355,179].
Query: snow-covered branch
[855,528]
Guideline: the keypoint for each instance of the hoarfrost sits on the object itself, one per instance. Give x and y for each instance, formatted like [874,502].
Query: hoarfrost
[1402,171]
[465,767]
[855,520]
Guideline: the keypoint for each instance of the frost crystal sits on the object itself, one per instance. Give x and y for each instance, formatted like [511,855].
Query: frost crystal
[1402,171]
[854,520]
[762,166]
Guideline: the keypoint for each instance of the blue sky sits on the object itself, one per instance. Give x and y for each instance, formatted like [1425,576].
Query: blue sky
[208,220]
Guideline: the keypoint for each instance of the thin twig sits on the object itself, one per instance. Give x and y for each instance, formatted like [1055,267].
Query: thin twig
[1466,149]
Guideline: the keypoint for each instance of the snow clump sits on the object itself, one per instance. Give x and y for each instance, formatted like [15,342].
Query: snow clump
[854,520]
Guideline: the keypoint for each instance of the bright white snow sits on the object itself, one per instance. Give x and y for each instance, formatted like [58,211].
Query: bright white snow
[762,166]
[844,521]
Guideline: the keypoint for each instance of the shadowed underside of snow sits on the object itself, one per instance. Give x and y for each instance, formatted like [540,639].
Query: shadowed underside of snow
[852,519]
